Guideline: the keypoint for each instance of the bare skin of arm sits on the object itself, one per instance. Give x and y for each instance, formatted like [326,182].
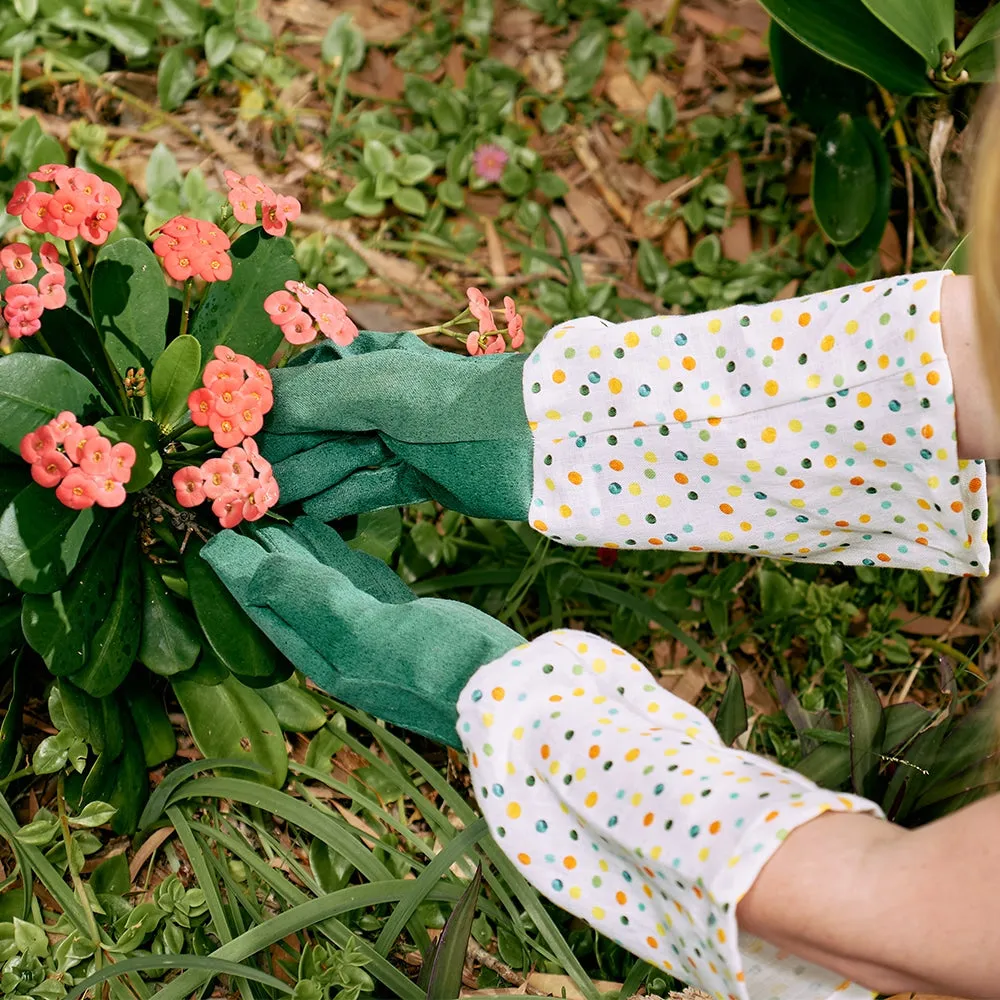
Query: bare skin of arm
[891,909]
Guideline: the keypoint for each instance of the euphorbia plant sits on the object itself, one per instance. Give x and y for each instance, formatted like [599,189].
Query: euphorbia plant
[132,382]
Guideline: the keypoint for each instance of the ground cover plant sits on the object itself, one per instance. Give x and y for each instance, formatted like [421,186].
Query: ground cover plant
[582,157]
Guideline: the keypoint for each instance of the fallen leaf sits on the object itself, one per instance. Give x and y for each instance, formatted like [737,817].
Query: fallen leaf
[625,94]
[677,242]
[694,68]
[654,84]
[789,291]
[494,249]
[454,67]
[737,237]
[934,627]
[589,212]
[891,251]
[553,985]
[545,70]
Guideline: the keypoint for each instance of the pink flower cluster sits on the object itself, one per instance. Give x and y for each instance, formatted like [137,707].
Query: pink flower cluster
[84,467]
[240,485]
[487,339]
[235,397]
[246,193]
[193,248]
[25,302]
[82,204]
[300,311]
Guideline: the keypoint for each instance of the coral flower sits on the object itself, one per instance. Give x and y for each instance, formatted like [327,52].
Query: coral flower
[122,459]
[19,199]
[189,486]
[50,468]
[52,290]
[36,443]
[95,457]
[16,261]
[110,492]
[77,490]
[228,508]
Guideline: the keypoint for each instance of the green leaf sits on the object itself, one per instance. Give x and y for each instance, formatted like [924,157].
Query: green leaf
[661,114]
[413,168]
[220,41]
[981,63]
[860,251]
[448,112]
[93,814]
[230,633]
[902,723]
[845,181]
[927,26]
[111,877]
[175,376]
[377,157]
[515,180]
[170,640]
[448,964]
[186,17]
[30,939]
[231,720]
[33,389]
[554,116]
[385,186]
[846,32]
[361,199]
[116,641]
[731,719]
[378,533]
[451,194]
[132,36]
[411,201]
[331,870]
[707,254]
[61,626]
[175,78]
[26,9]
[959,260]
[130,303]
[40,832]
[552,185]
[296,710]
[866,724]
[41,540]
[159,741]
[121,781]
[232,312]
[829,765]
[814,88]
[477,19]
[162,172]
[984,32]
[144,436]
[585,59]
[343,45]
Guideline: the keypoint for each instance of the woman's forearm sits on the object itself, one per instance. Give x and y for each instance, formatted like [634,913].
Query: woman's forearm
[894,909]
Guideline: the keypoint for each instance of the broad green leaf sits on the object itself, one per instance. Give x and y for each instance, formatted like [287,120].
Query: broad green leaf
[555,116]
[111,877]
[116,642]
[41,540]
[343,45]
[731,719]
[385,186]
[175,377]
[814,88]
[477,19]
[378,533]
[170,641]
[296,710]
[30,939]
[93,814]
[829,765]
[451,194]
[984,32]
[121,781]
[866,725]
[331,870]
[131,303]
[903,722]
[39,832]
[377,157]
[413,168]
[175,78]
[845,180]
[134,37]
[361,199]
[162,171]
[230,633]
[585,59]
[846,32]
[981,63]
[26,9]
[858,252]
[661,114]
[411,201]
[220,41]
[927,26]
[232,312]
[60,627]
[33,389]
[159,741]
[448,964]
[143,435]
[186,17]
[232,720]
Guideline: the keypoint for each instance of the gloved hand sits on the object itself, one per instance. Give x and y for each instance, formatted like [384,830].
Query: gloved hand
[351,625]
[388,421]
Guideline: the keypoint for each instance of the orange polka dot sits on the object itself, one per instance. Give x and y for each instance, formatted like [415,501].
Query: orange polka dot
[865,518]
[923,504]
[545,751]
[883,361]
[525,859]
[804,319]
[632,754]
[575,478]
[591,800]
[680,478]
[725,508]
[689,363]
[842,524]
[975,485]
[957,506]
[655,541]
[615,386]
[922,541]
[797,484]
[652,942]
[647,820]
[889,439]
[594,752]
[771,816]
[777,344]
[680,415]
[499,694]
[882,557]
[616,464]
[558,376]
[933,378]
[857,481]
[620,898]
[927,431]
[715,827]
[540,526]
[569,861]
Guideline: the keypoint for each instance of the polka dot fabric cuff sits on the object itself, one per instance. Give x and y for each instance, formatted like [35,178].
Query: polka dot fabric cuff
[820,429]
[620,803]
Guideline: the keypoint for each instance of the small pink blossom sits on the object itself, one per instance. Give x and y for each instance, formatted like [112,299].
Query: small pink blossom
[122,459]
[77,490]
[219,374]
[62,424]
[50,468]
[244,205]
[282,306]
[233,179]
[489,161]
[36,443]
[228,508]
[218,477]
[227,430]
[76,440]
[110,492]
[52,290]
[249,420]
[189,486]
[50,258]
[298,330]
[16,261]
[19,199]
[201,403]
[95,457]
[257,460]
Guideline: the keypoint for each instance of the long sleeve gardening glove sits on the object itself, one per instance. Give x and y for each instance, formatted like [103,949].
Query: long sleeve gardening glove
[350,624]
[820,429]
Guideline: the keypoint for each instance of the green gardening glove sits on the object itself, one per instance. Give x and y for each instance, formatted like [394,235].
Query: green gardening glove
[351,625]
[388,421]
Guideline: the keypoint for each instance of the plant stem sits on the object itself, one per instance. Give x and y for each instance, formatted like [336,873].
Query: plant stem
[75,875]
[45,344]
[338,100]
[78,271]
[185,312]
[179,430]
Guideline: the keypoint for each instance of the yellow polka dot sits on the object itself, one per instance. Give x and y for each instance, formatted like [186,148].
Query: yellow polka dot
[631,339]
[793,537]
[715,400]
[632,754]
[624,520]
[635,489]
[768,435]
[550,483]
[487,719]
[909,380]
[771,387]
[518,733]
[920,285]
[933,482]
[827,343]
[813,381]
[663,501]
[795,426]
[725,536]
[830,461]
[558,376]
[663,364]
[553,415]
[837,491]
[566,511]
[615,386]
[687,798]
[599,666]
[597,913]
[636,799]
[703,854]
[591,800]
[753,465]
[513,811]
[864,399]
[715,326]
[540,526]
[734,491]
[935,316]
[777,315]
[711,459]
[594,352]
[852,326]
[575,892]
[883,361]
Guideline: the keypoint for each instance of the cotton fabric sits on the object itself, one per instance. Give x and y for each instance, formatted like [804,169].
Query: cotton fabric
[820,429]
[619,802]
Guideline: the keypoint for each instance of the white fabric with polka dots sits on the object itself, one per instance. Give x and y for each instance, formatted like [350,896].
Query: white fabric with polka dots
[820,429]
[619,802]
